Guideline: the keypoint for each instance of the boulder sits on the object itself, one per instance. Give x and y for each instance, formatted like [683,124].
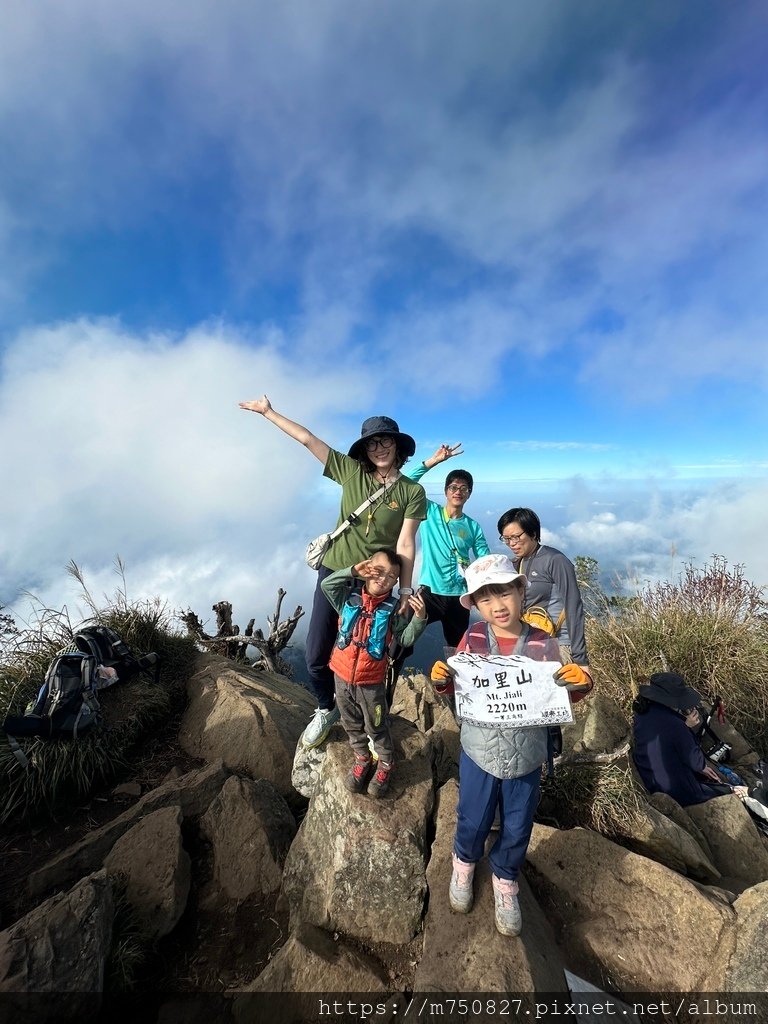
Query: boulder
[671,809]
[600,728]
[310,962]
[357,865]
[737,848]
[250,827]
[655,835]
[192,792]
[742,752]
[748,968]
[464,952]
[414,699]
[307,763]
[446,745]
[156,868]
[250,720]
[60,948]
[627,923]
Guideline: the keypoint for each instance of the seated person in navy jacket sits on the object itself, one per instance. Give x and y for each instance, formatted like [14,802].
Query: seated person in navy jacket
[666,753]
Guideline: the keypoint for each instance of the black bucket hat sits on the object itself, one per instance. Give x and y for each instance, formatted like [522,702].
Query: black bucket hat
[669,689]
[374,426]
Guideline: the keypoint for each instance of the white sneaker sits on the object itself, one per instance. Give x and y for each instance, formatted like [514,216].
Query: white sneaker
[509,920]
[460,894]
[319,726]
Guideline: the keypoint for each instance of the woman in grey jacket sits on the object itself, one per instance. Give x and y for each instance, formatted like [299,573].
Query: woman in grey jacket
[551,585]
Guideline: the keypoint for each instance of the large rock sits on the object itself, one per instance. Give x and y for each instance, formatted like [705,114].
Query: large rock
[310,962]
[446,745]
[157,871]
[60,948]
[604,726]
[250,720]
[748,969]
[628,923]
[357,864]
[414,699]
[737,848]
[464,952]
[250,827]
[671,809]
[657,836]
[307,762]
[742,752]
[192,792]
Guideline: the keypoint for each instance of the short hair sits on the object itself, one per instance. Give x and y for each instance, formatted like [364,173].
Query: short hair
[525,518]
[392,556]
[462,475]
[497,589]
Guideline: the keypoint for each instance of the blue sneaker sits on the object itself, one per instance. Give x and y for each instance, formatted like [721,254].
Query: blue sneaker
[319,726]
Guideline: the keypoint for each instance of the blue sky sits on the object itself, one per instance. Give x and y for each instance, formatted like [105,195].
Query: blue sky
[538,229]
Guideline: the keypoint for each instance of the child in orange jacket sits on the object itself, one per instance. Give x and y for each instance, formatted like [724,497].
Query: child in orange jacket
[367,623]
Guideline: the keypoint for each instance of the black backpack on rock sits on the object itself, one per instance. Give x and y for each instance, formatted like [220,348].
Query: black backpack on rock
[66,706]
[112,652]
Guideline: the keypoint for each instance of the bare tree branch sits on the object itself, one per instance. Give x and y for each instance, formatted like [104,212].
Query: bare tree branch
[231,644]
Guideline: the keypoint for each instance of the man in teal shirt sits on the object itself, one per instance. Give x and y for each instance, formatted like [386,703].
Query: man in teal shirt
[450,540]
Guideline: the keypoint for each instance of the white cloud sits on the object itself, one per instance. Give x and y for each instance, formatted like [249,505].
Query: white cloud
[117,444]
[656,532]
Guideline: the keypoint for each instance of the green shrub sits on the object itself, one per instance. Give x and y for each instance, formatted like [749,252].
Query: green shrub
[710,626]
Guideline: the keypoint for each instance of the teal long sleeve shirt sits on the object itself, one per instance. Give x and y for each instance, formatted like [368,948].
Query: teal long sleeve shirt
[446,544]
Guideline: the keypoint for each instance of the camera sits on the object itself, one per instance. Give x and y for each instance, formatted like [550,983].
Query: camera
[720,753]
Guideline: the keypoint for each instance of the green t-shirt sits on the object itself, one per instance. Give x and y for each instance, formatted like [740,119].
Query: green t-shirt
[404,499]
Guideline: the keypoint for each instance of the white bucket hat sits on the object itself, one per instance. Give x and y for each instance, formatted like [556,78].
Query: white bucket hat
[487,570]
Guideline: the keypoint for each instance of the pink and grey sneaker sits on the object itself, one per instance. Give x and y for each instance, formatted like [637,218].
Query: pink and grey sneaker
[358,775]
[509,920]
[460,893]
[379,785]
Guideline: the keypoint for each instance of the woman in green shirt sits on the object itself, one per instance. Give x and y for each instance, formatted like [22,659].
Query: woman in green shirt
[391,521]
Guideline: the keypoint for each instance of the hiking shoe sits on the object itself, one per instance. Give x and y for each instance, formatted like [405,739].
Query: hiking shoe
[358,775]
[319,726]
[460,894]
[509,920]
[380,782]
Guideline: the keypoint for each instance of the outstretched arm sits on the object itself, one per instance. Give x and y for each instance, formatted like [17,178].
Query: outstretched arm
[263,406]
[445,451]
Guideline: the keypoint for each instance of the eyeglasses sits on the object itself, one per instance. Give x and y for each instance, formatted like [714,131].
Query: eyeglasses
[512,538]
[385,442]
[388,576]
[457,489]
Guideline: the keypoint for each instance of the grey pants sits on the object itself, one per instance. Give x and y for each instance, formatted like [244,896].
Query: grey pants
[363,712]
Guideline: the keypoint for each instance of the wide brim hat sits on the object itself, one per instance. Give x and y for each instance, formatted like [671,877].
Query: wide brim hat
[669,689]
[488,570]
[375,426]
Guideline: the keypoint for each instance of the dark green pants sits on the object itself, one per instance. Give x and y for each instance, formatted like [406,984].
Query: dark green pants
[364,714]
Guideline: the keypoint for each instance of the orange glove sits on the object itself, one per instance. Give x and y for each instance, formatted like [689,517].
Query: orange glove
[442,678]
[574,678]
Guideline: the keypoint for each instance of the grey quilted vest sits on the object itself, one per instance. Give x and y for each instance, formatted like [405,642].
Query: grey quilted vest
[505,753]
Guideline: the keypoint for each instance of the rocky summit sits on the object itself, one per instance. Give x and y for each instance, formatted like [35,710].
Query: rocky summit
[258,873]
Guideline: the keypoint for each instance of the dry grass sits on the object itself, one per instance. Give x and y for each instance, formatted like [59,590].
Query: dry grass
[710,626]
[604,798]
[66,770]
